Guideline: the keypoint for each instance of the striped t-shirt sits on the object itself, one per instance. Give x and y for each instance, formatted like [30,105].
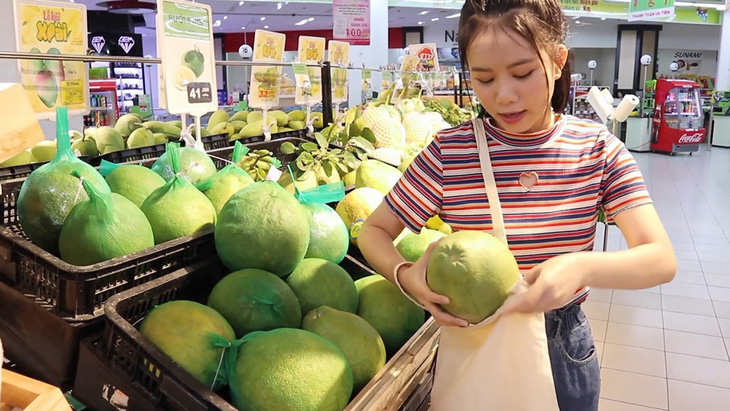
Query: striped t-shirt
[577,167]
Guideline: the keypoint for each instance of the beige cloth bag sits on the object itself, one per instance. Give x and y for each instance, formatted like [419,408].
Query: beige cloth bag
[502,363]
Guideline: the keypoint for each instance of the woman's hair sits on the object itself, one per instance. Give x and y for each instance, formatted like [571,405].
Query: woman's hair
[540,22]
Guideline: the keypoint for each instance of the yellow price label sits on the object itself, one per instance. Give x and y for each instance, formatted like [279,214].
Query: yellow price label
[355,227]
[72,92]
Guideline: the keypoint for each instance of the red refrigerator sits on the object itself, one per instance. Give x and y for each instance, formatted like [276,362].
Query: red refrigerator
[678,124]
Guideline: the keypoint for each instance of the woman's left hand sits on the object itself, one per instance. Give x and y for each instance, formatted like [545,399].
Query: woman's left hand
[552,284]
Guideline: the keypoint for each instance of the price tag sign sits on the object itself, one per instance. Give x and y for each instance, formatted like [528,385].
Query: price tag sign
[651,9]
[188,59]
[367,80]
[304,84]
[268,47]
[339,55]
[351,21]
[199,93]
[51,27]
[311,51]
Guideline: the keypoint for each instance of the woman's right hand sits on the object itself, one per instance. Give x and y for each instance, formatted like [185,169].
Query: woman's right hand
[413,281]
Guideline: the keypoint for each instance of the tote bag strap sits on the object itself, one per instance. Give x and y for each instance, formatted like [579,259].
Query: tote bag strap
[489,183]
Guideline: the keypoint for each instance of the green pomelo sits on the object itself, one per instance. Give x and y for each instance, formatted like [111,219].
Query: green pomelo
[134,182]
[221,186]
[356,338]
[290,370]
[378,175]
[255,300]
[328,237]
[390,312]
[104,227]
[108,140]
[309,182]
[141,137]
[183,330]
[178,209]
[318,282]
[24,157]
[412,246]
[475,270]
[262,226]
[195,165]
[51,192]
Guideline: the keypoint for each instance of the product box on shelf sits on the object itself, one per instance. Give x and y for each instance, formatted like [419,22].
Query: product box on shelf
[122,367]
[48,305]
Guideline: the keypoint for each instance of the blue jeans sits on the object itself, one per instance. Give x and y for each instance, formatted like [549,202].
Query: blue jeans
[573,359]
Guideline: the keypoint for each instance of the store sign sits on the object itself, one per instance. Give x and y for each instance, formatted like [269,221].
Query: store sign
[185,45]
[651,9]
[53,28]
[116,44]
[351,21]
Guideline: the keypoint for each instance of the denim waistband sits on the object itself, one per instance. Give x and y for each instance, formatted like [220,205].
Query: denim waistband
[566,318]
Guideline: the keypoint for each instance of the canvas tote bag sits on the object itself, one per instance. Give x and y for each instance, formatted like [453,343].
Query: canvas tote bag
[502,363]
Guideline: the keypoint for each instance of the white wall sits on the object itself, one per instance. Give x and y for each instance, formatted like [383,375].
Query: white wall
[690,36]
[604,72]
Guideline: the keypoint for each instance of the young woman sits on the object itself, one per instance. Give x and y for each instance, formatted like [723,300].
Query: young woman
[553,174]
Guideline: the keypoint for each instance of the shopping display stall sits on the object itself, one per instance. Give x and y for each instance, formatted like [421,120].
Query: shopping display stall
[678,120]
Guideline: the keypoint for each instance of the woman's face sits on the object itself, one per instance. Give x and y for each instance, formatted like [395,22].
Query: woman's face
[510,81]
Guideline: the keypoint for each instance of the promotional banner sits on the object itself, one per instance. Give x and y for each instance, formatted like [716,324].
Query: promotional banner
[651,9]
[339,56]
[53,28]
[351,21]
[311,51]
[268,47]
[428,54]
[185,45]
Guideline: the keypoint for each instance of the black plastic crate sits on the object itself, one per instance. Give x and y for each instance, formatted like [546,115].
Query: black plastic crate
[275,136]
[24,170]
[135,362]
[153,152]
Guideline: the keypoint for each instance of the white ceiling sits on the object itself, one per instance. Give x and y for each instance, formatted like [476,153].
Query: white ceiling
[249,15]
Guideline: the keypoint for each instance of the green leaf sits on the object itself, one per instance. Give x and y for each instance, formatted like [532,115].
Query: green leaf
[288,148]
[368,135]
[361,155]
[327,166]
[308,157]
[364,144]
[342,167]
[336,151]
[321,140]
[305,175]
[308,146]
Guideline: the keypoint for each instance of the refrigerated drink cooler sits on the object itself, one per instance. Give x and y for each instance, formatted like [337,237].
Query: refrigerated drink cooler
[678,123]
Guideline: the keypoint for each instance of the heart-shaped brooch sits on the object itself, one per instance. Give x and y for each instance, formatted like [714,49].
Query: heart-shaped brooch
[528,180]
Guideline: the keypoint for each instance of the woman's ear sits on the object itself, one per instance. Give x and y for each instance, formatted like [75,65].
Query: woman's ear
[561,59]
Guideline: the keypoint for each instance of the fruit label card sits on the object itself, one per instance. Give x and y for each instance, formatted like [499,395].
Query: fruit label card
[51,27]
[311,51]
[268,47]
[303,94]
[428,55]
[407,75]
[185,44]
[367,80]
[339,55]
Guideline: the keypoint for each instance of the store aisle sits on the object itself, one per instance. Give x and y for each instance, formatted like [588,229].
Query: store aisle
[668,347]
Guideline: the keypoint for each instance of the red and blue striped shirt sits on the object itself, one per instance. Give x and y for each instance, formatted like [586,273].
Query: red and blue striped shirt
[580,167]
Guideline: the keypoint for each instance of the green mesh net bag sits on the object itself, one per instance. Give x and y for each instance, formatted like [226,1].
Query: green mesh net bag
[221,186]
[51,192]
[105,226]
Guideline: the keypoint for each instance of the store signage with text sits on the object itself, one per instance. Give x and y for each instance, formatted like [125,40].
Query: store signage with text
[351,21]
[53,28]
[651,9]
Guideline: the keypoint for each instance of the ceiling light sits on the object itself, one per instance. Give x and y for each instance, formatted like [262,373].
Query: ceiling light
[435,19]
[301,22]
[225,17]
[310,19]
[278,6]
[603,18]
[263,18]
[577,22]
[217,23]
[453,16]
[243,27]
[266,27]
[420,23]
[240,3]
[423,12]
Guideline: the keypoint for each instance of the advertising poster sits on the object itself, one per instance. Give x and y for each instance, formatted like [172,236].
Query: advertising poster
[185,39]
[351,21]
[268,47]
[311,50]
[53,28]
[428,54]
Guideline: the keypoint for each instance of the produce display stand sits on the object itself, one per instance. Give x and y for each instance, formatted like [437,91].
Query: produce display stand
[122,365]
[19,391]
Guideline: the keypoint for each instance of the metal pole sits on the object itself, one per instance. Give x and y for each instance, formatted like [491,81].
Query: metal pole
[327,93]
[711,129]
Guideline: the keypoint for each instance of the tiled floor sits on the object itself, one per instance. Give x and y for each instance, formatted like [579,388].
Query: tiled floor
[668,348]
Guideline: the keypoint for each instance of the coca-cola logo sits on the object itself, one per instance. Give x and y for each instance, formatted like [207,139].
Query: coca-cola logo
[690,138]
